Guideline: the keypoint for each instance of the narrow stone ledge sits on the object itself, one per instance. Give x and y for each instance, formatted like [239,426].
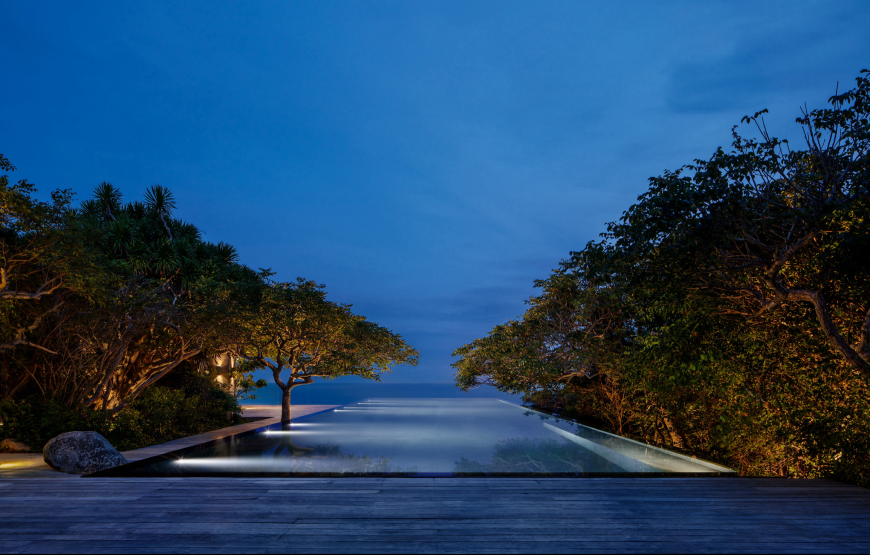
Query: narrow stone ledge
[32,465]
[269,414]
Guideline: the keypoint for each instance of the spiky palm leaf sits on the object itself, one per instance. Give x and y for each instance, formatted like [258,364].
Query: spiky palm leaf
[159,199]
[163,258]
[109,197]
[184,250]
[91,208]
[136,210]
[203,250]
[226,252]
[90,221]
[184,230]
[189,271]
[137,257]
[120,234]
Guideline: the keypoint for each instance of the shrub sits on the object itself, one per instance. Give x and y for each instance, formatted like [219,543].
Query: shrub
[187,405]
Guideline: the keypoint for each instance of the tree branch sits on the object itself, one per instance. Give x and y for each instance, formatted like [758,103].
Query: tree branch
[783,258]
[823,315]
[20,341]
[50,286]
[863,346]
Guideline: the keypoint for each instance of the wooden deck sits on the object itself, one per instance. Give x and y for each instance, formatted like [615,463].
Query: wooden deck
[436,515]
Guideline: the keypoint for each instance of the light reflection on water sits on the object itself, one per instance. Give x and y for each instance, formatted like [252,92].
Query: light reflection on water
[428,437]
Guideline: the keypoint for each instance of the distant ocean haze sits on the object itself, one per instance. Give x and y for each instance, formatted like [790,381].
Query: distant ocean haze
[337,393]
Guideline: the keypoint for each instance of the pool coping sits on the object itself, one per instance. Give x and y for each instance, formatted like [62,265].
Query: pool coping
[32,465]
[129,470]
[702,462]
[256,427]
[262,415]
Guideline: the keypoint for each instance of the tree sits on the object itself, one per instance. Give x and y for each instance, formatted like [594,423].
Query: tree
[726,313]
[102,302]
[538,350]
[177,298]
[766,226]
[44,266]
[240,382]
[30,270]
[298,330]
[567,345]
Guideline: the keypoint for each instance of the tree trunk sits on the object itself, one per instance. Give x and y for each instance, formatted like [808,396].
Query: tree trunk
[285,404]
[823,315]
[676,439]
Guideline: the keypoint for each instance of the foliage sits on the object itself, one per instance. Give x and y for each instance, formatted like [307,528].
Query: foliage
[101,302]
[298,330]
[192,405]
[241,383]
[44,270]
[106,300]
[726,314]
[180,298]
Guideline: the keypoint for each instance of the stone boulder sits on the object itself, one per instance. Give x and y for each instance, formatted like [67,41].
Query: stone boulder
[9,445]
[81,453]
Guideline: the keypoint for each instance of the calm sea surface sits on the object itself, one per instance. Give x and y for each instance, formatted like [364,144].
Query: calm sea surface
[337,393]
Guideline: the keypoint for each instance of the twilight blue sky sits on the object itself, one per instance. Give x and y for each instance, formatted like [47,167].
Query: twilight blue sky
[425,160]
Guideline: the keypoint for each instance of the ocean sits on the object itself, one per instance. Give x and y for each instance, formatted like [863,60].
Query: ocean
[338,393]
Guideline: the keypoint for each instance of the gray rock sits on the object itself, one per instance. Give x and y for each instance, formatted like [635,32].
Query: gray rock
[81,453]
[9,445]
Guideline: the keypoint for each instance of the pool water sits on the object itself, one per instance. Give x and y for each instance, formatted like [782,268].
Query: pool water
[423,437]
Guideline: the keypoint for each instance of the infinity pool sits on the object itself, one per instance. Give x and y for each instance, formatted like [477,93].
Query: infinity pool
[423,437]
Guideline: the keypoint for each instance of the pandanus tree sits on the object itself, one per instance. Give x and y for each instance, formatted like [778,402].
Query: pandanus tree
[102,302]
[299,335]
[178,297]
[110,298]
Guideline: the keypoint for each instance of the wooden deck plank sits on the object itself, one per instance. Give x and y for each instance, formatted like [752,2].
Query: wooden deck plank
[442,515]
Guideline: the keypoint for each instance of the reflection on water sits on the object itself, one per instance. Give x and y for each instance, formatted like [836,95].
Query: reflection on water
[537,456]
[422,437]
[280,452]
[322,458]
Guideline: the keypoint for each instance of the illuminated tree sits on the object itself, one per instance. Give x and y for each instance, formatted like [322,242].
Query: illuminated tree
[298,331]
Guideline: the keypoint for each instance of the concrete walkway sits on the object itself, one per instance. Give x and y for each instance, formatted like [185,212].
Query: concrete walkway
[32,465]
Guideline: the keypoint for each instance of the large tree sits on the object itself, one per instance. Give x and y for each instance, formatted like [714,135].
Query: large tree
[99,303]
[177,297]
[767,225]
[46,268]
[297,331]
[725,314]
